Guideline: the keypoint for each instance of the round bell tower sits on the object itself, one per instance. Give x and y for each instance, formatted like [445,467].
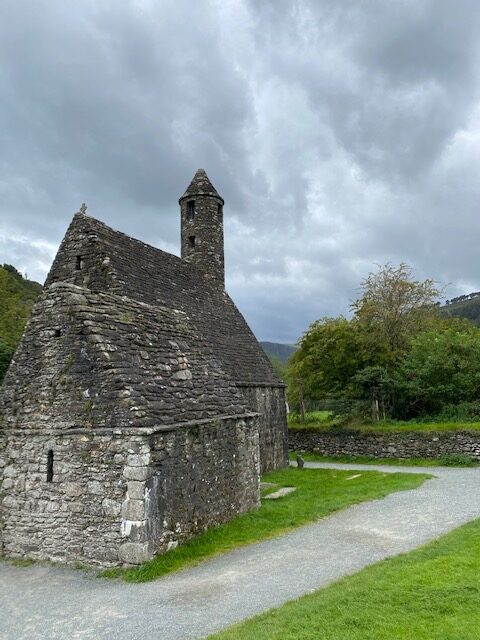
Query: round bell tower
[201,211]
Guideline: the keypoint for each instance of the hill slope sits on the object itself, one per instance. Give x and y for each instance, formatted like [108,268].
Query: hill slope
[17,297]
[464,307]
[277,350]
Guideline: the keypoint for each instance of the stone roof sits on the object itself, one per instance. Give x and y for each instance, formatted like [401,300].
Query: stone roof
[90,359]
[122,266]
[201,185]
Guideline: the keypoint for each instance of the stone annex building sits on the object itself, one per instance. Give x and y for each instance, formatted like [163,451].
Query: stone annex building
[139,408]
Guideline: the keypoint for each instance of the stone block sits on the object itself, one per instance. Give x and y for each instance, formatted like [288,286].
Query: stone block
[139,460]
[133,510]
[135,552]
[10,502]
[95,488]
[111,507]
[136,490]
[73,489]
[183,374]
[137,473]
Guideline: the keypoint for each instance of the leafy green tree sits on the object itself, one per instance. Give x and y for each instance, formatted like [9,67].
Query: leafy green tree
[441,367]
[375,385]
[330,353]
[394,307]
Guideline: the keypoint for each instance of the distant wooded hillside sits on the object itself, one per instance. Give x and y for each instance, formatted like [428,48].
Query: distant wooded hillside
[467,306]
[17,297]
[277,350]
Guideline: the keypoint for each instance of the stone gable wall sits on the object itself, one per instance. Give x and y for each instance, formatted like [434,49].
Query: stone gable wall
[387,445]
[112,262]
[269,402]
[114,363]
[120,498]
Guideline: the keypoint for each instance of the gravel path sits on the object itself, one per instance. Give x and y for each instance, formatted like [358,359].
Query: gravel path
[58,604]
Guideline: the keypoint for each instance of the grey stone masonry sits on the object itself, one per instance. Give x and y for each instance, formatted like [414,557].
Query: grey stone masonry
[139,408]
[95,360]
[119,498]
[269,402]
[201,210]
[388,445]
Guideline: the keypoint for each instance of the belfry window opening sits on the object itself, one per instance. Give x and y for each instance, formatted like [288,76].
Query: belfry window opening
[190,210]
[50,465]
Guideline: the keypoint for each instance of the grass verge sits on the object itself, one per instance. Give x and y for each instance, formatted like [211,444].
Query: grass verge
[319,492]
[445,461]
[393,426]
[433,592]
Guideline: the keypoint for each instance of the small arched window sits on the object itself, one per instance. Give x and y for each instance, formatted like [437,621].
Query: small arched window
[190,209]
[50,465]
[191,242]
[79,263]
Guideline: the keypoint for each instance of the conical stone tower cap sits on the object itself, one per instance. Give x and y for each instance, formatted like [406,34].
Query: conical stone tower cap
[201,186]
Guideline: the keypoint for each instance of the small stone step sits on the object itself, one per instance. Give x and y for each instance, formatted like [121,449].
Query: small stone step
[284,491]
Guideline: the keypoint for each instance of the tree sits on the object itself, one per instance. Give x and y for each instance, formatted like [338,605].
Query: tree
[441,367]
[375,385]
[330,353]
[393,307]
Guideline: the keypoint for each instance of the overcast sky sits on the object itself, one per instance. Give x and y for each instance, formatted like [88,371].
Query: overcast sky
[340,133]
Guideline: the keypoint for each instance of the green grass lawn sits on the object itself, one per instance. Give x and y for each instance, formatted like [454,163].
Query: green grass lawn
[459,460]
[432,593]
[319,493]
[393,426]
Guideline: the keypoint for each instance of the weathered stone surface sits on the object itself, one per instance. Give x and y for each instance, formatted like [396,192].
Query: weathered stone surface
[135,552]
[269,401]
[78,517]
[95,487]
[388,445]
[111,507]
[133,510]
[138,460]
[136,490]
[139,474]
[126,415]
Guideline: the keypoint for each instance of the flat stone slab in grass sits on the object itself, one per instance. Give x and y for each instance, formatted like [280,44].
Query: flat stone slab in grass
[284,491]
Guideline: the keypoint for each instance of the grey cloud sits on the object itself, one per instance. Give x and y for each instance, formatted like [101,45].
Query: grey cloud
[340,135]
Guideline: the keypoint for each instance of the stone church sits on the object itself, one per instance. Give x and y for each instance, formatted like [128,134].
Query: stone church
[139,408]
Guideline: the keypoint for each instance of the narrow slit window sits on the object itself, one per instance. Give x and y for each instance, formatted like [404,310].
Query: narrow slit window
[190,210]
[79,263]
[191,242]
[219,209]
[50,466]
[58,333]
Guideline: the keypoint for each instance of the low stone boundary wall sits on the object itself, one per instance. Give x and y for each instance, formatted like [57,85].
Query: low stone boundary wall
[387,445]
